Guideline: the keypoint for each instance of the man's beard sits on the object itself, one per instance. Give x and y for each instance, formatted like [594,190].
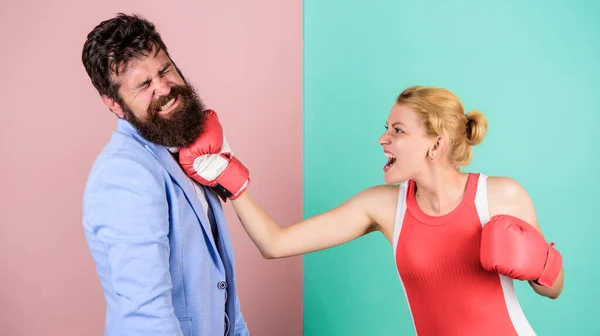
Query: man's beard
[180,127]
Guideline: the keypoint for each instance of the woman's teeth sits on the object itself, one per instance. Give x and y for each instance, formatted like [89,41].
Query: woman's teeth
[391,159]
[167,105]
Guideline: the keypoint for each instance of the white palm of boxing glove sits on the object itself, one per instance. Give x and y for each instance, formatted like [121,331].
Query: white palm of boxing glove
[210,161]
[210,166]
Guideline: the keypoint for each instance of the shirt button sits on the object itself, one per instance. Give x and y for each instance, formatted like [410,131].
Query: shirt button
[222,285]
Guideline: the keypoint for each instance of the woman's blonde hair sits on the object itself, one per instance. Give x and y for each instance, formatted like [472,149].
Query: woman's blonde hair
[442,113]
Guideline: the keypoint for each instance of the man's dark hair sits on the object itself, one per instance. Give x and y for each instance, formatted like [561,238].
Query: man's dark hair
[112,44]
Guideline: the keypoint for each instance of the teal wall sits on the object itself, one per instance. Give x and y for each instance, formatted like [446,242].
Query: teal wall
[533,69]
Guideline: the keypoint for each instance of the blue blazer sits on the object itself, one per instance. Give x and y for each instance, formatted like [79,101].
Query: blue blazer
[161,270]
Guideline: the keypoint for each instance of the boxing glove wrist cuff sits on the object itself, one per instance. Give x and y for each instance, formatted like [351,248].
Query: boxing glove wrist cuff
[225,194]
[232,182]
[241,191]
[551,269]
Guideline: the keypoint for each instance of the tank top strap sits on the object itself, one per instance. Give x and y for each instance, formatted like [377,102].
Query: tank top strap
[471,190]
[400,212]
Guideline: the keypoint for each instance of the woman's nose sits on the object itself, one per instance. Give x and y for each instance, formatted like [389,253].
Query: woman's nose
[384,140]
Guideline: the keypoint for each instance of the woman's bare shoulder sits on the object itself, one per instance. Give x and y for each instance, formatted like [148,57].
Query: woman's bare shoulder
[383,190]
[380,195]
[503,188]
[507,196]
[381,202]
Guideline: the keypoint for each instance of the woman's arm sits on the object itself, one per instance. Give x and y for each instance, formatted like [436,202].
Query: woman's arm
[507,196]
[350,220]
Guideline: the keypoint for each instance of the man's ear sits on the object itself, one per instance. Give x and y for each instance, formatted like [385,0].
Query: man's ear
[113,106]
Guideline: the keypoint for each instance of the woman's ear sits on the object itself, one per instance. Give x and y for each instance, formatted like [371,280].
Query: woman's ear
[438,148]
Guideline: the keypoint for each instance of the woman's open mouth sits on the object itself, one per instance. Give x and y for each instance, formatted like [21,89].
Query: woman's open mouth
[391,161]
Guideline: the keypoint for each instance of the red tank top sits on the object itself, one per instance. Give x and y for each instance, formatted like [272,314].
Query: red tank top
[447,289]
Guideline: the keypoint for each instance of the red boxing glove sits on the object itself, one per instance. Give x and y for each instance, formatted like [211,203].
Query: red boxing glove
[514,248]
[210,162]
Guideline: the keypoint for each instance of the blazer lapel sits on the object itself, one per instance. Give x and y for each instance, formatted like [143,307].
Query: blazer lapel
[167,160]
[219,215]
[163,155]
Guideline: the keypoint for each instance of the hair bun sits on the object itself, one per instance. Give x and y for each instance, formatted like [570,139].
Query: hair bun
[476,127]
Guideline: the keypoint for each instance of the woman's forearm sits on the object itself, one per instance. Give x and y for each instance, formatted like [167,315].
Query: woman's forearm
[263,231]
[552,293]
[339,225]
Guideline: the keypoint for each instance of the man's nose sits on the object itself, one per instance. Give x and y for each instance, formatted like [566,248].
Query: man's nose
[161,87]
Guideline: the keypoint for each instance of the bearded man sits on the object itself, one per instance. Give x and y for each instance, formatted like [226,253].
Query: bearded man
[159,239]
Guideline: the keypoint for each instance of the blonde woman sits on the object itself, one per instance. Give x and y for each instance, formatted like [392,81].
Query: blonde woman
[459,239]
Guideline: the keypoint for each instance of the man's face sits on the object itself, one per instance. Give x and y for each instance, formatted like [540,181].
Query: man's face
[158,102]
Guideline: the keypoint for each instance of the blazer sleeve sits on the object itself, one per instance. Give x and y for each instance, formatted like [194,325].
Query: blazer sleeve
[241,328]
[127,210]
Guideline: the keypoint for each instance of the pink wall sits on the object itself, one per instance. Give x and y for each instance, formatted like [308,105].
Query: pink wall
[245,61]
